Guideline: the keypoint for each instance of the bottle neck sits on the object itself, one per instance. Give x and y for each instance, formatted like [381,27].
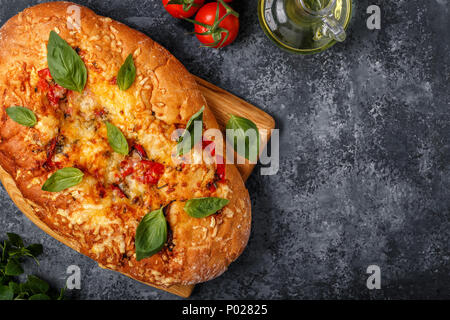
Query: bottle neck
[315,7]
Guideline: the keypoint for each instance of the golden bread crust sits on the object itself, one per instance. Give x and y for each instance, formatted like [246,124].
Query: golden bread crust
[162,99]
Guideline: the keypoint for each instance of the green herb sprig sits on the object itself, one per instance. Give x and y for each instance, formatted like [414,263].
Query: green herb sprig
[13,251]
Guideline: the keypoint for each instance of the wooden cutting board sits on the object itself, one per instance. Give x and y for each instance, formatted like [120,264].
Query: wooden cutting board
[222,103]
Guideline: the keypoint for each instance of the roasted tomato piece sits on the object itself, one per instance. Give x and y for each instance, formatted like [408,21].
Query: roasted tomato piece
[211,187]
[43,85]
[44,73]
[54,91]
[126,168]
[220,169]
[149,172]
[119,190]
[51,149]
[140,150]
[210,145]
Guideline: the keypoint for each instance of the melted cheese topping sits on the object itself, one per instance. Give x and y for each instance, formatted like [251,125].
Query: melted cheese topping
[99,205]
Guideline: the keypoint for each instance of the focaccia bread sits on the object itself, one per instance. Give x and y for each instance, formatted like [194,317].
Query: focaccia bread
[100,215]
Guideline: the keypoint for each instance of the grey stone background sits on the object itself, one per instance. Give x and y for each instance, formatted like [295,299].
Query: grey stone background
[365,158]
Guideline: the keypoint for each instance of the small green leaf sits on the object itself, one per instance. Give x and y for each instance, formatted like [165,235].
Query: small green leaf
[13,268]
[116,139]
[127,74]
[15,287]
[19,252]
[36,285]
[151,234]
[66,66]
[22,115]
[15,240]
[188,140]
[39,296]
[63,179]
[6,293]
[243,129]
[35,249]
[3,278]
[204,207]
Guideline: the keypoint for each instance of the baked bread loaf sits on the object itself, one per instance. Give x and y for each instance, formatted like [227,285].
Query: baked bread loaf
[99,216]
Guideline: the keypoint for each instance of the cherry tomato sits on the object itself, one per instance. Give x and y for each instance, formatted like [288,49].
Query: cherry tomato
[212,33]
[183,8]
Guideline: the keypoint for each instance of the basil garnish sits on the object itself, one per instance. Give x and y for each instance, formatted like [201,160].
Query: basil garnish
[116,139]
[151,234]
[63,179]
[185,144]
[6,293]
[22,116]
[204,207]
[240,126]
[127,74]
[66,66]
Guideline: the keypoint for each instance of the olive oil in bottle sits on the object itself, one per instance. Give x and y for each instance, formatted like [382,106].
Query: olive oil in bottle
[305,26]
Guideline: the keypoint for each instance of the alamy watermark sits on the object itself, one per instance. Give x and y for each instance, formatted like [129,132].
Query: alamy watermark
[374,280]
[74,279]
[374,20]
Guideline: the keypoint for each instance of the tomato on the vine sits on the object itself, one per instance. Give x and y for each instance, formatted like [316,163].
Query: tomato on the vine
[216,24]
[182,8]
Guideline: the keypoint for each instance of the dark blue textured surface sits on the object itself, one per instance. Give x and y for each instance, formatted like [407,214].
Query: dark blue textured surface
[365,158]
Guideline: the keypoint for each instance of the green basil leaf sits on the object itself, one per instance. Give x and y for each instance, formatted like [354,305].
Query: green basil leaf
[6,293]
[116,139]
[186,143]
[24,290]
[15,240]
[204,207]
[241,129]
[36,285]
[14,286]
[39,296]
[151,234]
[66,66]
[35,249]
[22,115]
[127,74]
[13,268]
[63,179]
